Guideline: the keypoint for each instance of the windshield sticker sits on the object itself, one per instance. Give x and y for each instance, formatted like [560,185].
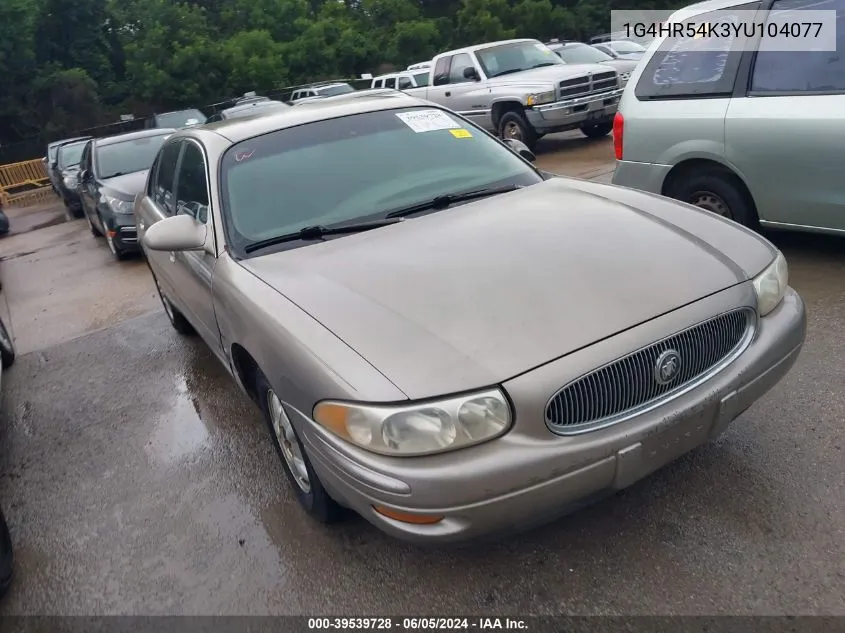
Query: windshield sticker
[244,155]
[461,133]
[427,120]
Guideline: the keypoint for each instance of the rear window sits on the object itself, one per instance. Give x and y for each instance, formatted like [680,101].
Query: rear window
[332,91]
[683,67]
[313,174]
[421,78]
[180,119]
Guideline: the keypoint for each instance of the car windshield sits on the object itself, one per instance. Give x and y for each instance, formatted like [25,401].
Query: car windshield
[517,56]
[70,154]
[261,106]
[421,78]
[180,119]
[126,157]
[582,54]
[627,47]
[331,91]
[51,152]
[309,175]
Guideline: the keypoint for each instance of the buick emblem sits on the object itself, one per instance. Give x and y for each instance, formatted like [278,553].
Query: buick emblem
[667,366]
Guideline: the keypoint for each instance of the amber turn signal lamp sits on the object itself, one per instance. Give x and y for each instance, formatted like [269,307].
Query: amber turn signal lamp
[406,517]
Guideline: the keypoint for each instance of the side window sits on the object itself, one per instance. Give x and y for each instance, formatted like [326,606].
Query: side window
[403,83]
[460,63]
[163,186]
[192,184]
[441,71]
[390,83]
[801,71]
[680,68]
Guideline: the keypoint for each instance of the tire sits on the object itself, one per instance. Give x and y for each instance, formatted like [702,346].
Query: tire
[305,484]
[597,130]
[7,347]
[94,230]
[176,318]
[7,556]
[716,190]
[514,125]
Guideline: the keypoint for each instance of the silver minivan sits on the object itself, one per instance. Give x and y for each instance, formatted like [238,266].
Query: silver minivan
[756,136]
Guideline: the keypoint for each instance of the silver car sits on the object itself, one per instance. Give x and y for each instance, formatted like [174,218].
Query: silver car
[754,136]
[442,338]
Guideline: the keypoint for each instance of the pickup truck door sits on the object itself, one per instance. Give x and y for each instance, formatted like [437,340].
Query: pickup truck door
[469,97]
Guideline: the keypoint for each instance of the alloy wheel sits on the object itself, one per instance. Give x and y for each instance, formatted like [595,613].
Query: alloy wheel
[286,437]
[512,131]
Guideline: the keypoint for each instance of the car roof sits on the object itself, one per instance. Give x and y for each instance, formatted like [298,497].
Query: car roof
[358,102]
[178,111]
[75,141]
[387,75]
[706,6]
[131,136]
[64,141]
[255,105]
[332,85]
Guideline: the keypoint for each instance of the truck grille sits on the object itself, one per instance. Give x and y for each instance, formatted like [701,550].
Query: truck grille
[629,385]
[581,86]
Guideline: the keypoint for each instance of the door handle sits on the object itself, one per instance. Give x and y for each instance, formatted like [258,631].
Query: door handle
[449,94]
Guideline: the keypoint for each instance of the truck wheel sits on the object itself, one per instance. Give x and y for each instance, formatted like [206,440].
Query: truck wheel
[597,130]
[515,126]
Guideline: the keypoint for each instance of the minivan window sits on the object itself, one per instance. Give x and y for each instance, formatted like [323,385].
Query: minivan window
[790,72]
[680,69]
[126,157]
[275,184]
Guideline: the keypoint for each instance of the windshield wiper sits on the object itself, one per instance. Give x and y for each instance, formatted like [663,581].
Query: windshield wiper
[114,175]
[542,64]
[446,200]
[318,232]
[507,72]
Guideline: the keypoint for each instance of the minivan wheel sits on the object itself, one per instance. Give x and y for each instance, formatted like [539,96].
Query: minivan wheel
[597,130]
[305,484]
[716,191]
[514,125]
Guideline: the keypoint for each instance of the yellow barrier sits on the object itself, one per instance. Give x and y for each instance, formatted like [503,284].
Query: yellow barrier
[24,184]
[30,172]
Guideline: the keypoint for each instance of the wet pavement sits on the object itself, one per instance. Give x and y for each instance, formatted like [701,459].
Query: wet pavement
[136,479]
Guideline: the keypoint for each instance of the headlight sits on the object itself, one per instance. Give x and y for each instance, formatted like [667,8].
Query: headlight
[117,205]
[770,285]
[540,98]
[418,429]
[71,180]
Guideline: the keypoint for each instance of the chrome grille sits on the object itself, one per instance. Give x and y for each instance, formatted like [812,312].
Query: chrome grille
[582,86]
[631,384]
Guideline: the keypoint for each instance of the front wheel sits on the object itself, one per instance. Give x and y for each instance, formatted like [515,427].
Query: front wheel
[717,191]
[176,318]
[597,130]
[305,484]
[513,125]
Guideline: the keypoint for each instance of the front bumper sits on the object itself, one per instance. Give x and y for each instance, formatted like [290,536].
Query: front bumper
[572,113]
[124,233]
[530,475]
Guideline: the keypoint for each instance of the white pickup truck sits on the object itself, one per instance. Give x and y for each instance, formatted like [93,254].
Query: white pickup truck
[520,89]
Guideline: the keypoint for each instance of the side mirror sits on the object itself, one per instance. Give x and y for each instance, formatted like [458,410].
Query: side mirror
[84,175]
[520,148]
[176,233]
[471,73]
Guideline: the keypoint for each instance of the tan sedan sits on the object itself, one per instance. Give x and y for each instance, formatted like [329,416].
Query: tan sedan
[440,336]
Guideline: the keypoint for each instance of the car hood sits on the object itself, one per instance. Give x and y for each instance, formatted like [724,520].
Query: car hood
[621,65]
[553,74]
[126,186]
[479,293]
